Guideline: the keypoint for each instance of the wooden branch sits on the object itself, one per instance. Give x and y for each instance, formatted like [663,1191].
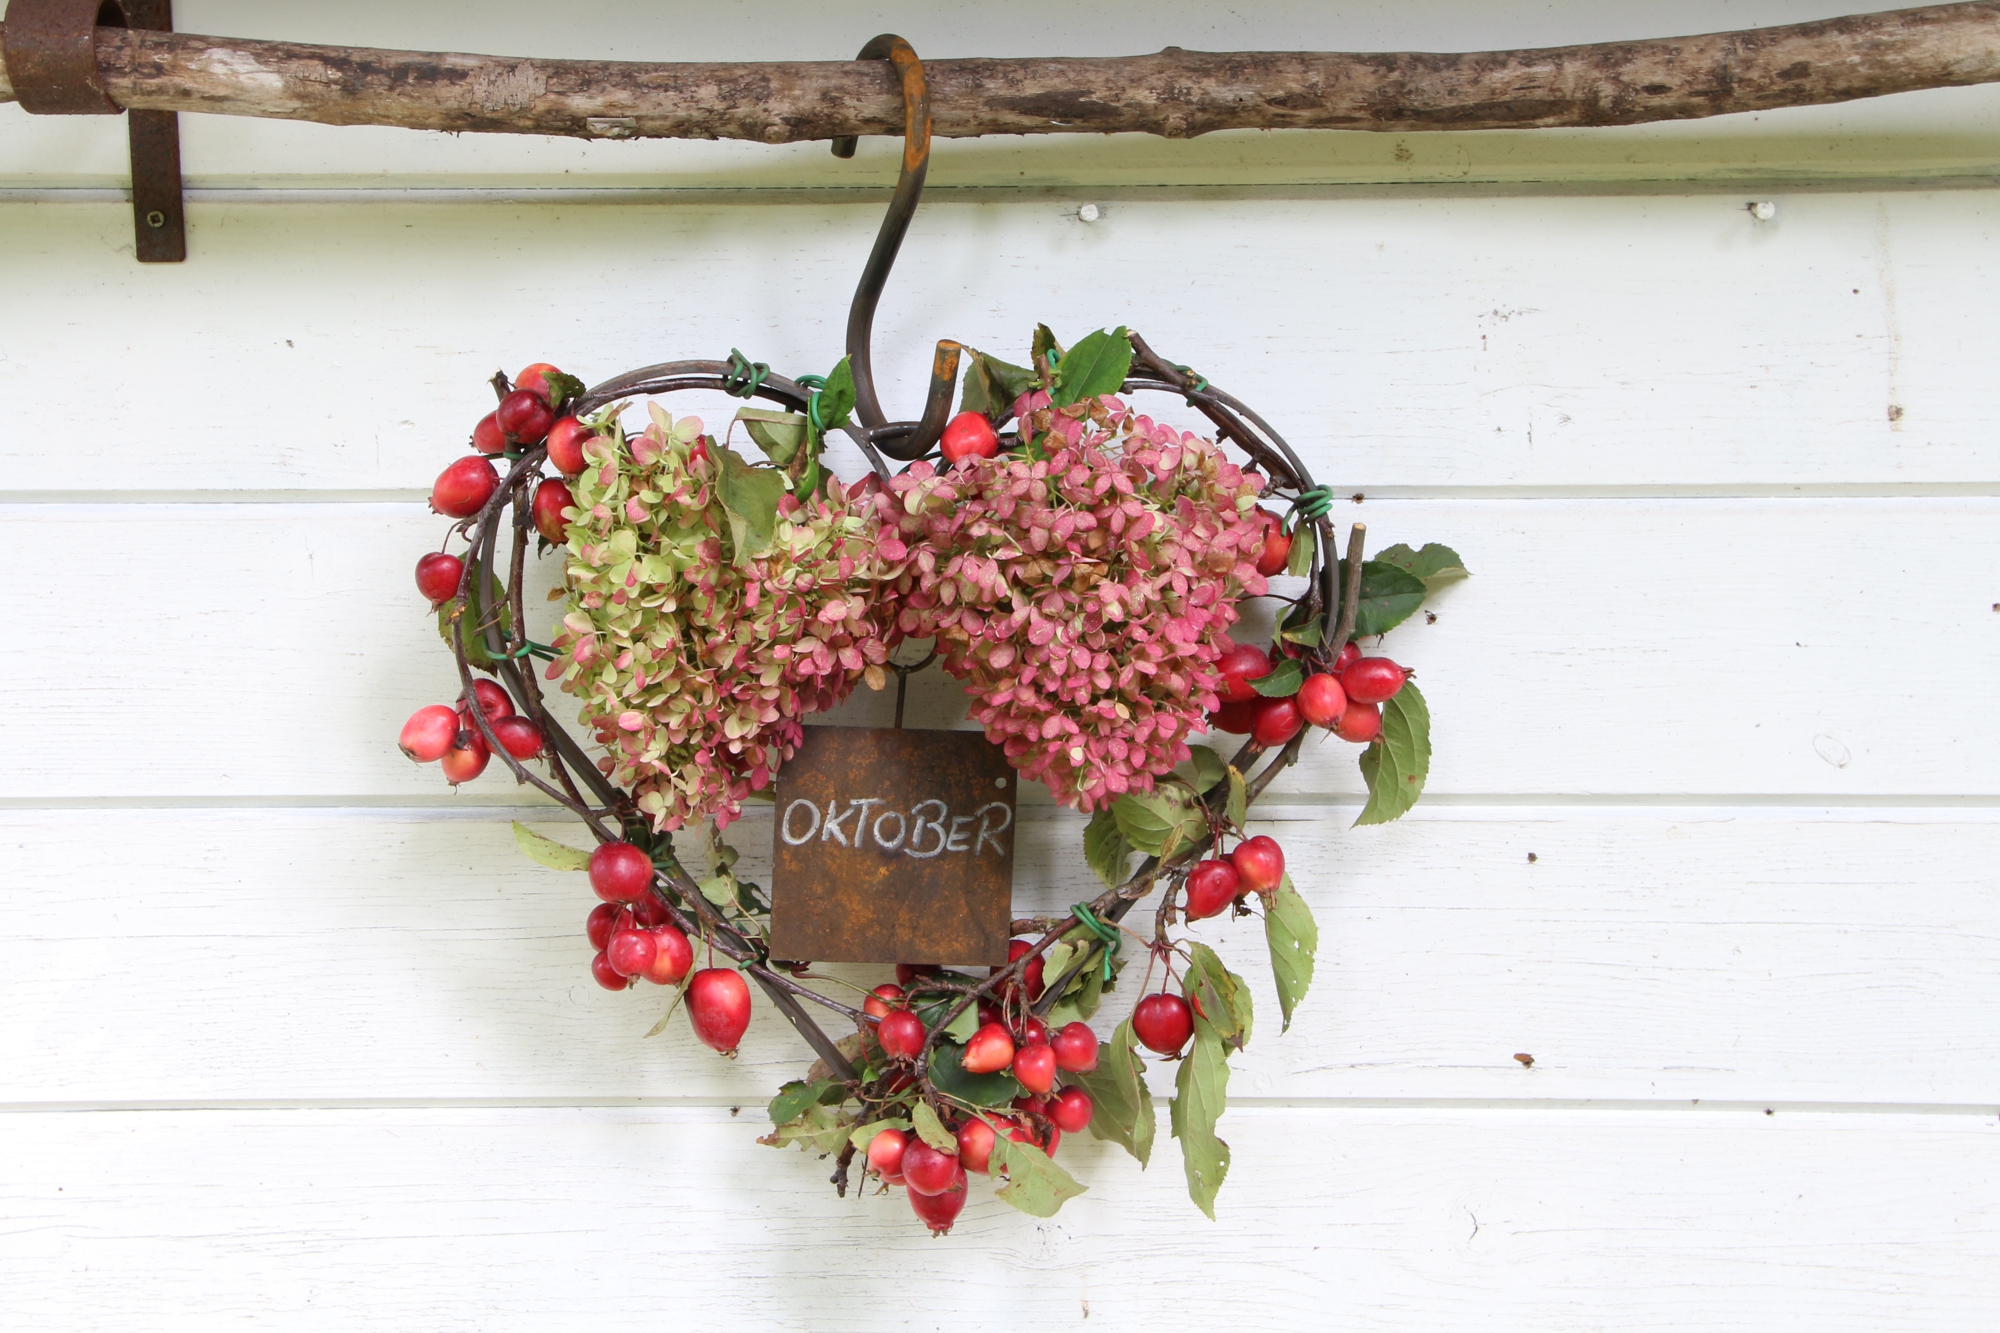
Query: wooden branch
[1175,93]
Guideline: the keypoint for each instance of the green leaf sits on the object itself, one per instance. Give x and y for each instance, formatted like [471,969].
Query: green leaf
[1304,543]
[1201,1093]
[1105,849]
[474,617]
[1057,958]
[962,1027]
[1158,822]
[719,889]
[1218,995]
[820,1128]
[864,1135]
[1437,565]
[1281,681]
[750,495]
[1238,807]
[547,851]
[992,385]
[1293,936]
[1124,1107]
[793,1098]
[562,388]
[1389,596]
[836,400]
[779,434]
[1302,625]
[1035,1184]
[1202,769]
[1096,365]
[1044,343]
[931,1130]
[1397,762]
[948,1076]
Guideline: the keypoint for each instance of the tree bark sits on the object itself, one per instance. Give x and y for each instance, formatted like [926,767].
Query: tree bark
[1176,93]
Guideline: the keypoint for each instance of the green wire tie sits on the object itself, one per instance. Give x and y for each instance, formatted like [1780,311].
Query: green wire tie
[1314,504]
[533,649]
[1200,380]
[1105,932]
[744,376]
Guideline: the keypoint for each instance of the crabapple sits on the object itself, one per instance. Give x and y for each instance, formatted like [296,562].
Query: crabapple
[1027,1134]
[518,737]
[1075,1046]
[968,435]
[901,1034]
[938,1211]
[1260,863]
[1350,653]
[1032,1031]
[493,700]
[566,440]
[1240,664]
[1277,550]
[975,1145]
[882,999]
[438,575]
[1211,886]
[1163,1023]
[928,1171]
[718,1004]
[1031,974]
[620,872]
[1278,721]
[428,735]
[631,951]
[1035,1067]
[1321,699]
[1071,1111]
[990,1050]
[1373,680]
[1237,718]
[908,972]
[535,378]
[463,489]
[603,919]
[525,416]
[487,437]
[650,912]
[672,956]
[885,1154]
[607,976]
[1361,722]
[551,498]
[466,759]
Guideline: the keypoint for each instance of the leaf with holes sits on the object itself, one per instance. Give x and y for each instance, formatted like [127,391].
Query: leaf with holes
[931,1130]
[1035,1184]
[1218,995]
[794,1097]
[547,851]
[1159,822]
[1293,938]
[993,385]
[1201,1094]
[1397,762]
[1117,1087]
[1105,849]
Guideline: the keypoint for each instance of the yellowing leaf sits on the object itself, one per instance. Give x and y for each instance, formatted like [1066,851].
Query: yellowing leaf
[547,851]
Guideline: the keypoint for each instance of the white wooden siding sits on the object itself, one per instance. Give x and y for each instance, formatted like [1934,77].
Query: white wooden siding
[289,1032]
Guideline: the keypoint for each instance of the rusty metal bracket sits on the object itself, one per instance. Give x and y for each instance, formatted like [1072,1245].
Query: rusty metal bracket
[51,58]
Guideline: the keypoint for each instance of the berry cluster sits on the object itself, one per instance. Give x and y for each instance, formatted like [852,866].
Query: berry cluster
[635,937]
[1346,700]
[1085,596]
[450,737]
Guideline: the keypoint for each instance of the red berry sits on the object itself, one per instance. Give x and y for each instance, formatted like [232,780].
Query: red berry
[631,951]
[672,955]
[718,1004]
[566,440]
[1028,1134]
[620,872]
[1035,1067]
[1350,653]
[1072,1110]
[968,435]
[487,437]
[438,575]
[535,378]
[908,972]
[901,1034]
[525,416]
[1236,718]
[1038,1104]
[1278,721]
[975,1145]
[1277,546]
[885,1153]
[990,1013]
[1373,680]
[882,999]
[465,760]
[1322,700]
[428,735]
[493,700]
[1361,722]
[928,1171]
[650,912]
[603,919]
[551,498]
[1032,1031]
[1075,1046]
[1240,664]
[990,1050]
[518,737]
[1163,1023]
[938,1211]
[463,489]
[1211,886]
[1032,973]
[1259,862]
[607,975]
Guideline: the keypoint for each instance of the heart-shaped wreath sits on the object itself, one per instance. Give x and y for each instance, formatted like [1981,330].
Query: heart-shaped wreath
[1077,563]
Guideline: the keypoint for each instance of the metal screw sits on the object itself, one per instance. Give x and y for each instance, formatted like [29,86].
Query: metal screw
[156,219]
[1088,213]
[1763,210]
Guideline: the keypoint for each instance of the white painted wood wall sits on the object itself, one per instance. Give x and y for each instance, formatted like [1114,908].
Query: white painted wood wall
[290,1034]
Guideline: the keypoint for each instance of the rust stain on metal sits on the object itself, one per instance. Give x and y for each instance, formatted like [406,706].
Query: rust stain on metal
[893,847]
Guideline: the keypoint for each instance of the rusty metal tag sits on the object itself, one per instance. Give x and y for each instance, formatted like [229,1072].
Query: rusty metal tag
[893,847]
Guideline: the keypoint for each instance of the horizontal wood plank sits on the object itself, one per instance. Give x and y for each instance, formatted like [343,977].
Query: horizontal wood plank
[1838,648]
[1529,343]
[270,955]
[1438,1220]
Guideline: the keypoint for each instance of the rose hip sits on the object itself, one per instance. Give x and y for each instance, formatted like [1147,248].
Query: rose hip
[1373,680]
[1211,886]
[487,437]
[1240,664]
[1361,722]
[525,416]
[551,498]
[438,575]
[428,735]
[1321,699]
[518,737]
[466,759]
[1278,721]
[566,441]
[463,489]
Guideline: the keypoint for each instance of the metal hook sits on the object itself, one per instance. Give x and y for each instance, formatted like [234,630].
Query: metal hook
[904,440]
